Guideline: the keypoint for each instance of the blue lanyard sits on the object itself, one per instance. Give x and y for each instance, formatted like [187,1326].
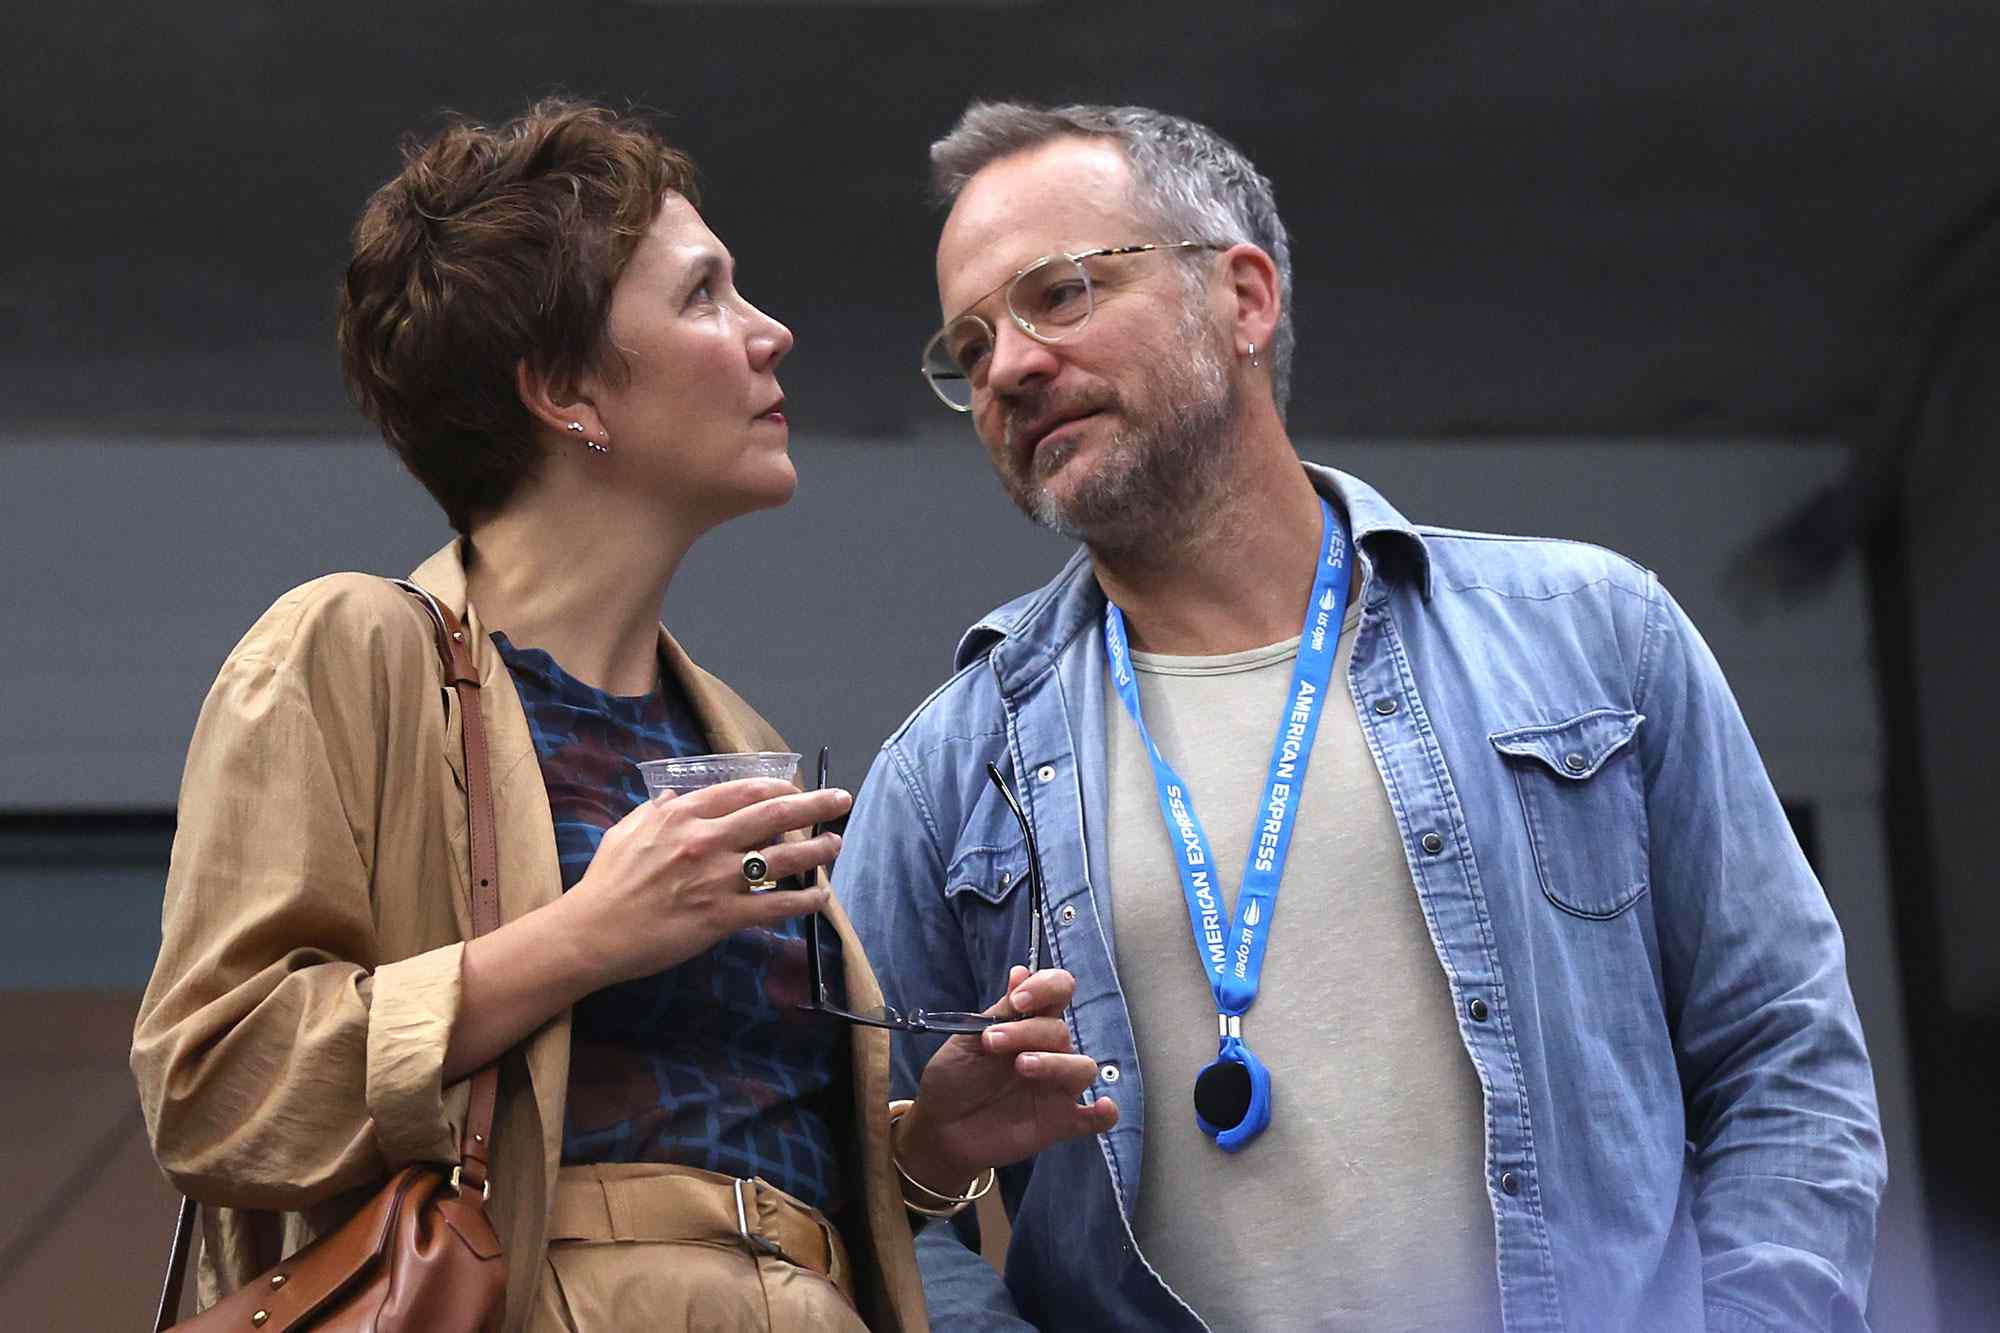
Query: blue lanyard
[1232,953]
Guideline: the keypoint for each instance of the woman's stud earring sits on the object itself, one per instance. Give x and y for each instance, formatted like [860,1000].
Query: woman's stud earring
[595,447]
[576,427]
[1253,354]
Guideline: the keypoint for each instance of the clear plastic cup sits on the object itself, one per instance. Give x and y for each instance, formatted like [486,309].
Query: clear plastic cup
[694,771]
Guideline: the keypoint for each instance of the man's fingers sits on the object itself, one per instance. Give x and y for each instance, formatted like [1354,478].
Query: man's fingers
[1071,1073]
[1045,992]
[1099,1116]
[1027,1034]
[1003,1008]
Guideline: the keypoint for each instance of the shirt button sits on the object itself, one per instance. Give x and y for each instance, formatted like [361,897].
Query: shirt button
[1433,843]
[1068,913]
[1046,773]
[1510,1184]
[1575,763]
[1385,706]
[1478,1010]
[1109,1073]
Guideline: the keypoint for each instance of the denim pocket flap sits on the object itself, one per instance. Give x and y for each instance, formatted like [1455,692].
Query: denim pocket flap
[1575,749]
[989,874]
[1584,815]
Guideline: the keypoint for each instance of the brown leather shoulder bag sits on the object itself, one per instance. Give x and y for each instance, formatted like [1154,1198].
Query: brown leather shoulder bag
[421,1256]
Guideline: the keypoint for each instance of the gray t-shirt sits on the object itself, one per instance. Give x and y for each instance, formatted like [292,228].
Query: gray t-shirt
[1364,1205]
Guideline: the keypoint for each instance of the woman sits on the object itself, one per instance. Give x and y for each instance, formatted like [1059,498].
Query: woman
[553,342]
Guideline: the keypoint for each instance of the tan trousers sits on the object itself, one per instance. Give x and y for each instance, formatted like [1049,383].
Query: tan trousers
[669,1248]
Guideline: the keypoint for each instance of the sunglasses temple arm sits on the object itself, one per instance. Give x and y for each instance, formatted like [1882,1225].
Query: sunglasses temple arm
[815,981]
[1036,926]
[1034,866]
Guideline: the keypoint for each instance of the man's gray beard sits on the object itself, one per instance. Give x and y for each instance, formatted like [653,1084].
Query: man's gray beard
[1155,477]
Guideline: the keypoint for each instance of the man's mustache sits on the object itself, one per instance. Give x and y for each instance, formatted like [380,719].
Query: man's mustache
[1030,411]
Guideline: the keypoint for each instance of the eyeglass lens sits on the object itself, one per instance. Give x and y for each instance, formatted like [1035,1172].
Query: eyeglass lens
[1050,300]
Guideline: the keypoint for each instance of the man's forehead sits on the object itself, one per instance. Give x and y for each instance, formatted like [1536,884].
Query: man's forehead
[1062,194]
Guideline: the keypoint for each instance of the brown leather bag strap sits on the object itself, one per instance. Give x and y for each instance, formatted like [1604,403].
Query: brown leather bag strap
[475,1150]
[459,672]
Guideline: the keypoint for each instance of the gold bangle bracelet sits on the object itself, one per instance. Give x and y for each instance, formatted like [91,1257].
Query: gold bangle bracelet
[949,1205]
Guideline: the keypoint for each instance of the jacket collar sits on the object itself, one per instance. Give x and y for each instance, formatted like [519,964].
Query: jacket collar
[721,714]
[1028,634]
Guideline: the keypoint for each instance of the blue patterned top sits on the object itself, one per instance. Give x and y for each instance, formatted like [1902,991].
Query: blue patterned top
[708,1064]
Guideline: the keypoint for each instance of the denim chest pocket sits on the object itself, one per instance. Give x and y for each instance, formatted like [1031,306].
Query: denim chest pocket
[981,887]
[1584,805]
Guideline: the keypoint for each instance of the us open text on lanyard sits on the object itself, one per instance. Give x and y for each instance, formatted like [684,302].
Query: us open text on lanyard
[1232,1095]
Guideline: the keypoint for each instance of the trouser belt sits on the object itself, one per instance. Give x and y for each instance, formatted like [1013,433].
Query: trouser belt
[647,1201]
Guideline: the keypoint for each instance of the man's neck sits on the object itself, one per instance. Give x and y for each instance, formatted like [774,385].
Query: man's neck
[1240,576]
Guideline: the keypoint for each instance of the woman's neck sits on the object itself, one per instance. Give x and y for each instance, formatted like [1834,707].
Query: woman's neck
[575,577]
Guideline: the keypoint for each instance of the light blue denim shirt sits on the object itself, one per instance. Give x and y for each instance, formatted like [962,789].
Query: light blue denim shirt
[1681,1130]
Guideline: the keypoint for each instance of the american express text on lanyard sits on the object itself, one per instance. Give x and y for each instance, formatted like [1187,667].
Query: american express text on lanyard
[1232,1095]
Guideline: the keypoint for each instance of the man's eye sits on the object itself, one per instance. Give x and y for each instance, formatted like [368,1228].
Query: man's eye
[970,354]
[1060,294]
[700,295]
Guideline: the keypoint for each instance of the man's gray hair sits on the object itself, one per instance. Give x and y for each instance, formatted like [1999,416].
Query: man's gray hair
[1194,184]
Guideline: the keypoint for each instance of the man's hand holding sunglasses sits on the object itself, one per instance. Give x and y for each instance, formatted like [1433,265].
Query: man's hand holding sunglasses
[993,1098]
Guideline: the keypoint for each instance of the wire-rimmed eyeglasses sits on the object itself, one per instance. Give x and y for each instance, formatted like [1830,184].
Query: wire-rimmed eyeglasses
[924,1020]
[1050,300]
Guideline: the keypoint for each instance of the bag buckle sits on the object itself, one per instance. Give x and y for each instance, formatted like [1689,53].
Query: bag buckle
[751,1239]
[486,1190]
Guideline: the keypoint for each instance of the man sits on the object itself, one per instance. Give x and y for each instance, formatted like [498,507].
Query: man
[1553,1029]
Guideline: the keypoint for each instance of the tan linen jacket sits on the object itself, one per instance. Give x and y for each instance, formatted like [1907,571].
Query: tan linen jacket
[290,1048]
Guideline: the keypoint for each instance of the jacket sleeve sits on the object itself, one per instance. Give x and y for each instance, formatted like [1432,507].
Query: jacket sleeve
[1780,1096]
[890,879]
[279,1059]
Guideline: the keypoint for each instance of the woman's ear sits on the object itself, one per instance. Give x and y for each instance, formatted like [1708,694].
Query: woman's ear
[1253,288]
[558,407]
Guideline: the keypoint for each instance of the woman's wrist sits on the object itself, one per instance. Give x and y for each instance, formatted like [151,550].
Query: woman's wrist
[589,953]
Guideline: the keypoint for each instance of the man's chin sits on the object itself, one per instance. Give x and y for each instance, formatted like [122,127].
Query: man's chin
[1078,503]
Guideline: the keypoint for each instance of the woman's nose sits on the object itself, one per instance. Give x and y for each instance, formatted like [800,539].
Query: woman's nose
[771,341]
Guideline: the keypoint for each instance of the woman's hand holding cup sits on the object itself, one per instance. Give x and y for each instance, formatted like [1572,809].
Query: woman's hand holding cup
[668,880]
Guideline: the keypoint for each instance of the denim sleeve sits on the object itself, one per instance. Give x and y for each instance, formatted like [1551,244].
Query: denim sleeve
[1780,1098]
[890,879]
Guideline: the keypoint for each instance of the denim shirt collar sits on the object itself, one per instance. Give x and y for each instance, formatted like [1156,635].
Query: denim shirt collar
[1028,634]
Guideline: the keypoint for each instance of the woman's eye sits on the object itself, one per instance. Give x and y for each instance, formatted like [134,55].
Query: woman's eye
[701,295]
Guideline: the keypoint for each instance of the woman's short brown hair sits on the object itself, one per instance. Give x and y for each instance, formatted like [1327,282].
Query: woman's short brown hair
[492,246]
